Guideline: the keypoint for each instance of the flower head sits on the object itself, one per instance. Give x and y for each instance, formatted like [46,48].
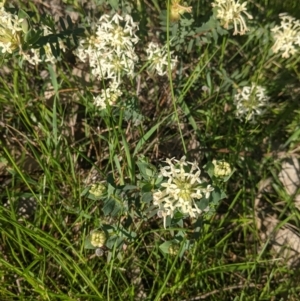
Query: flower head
[158,58]
[251,101]
[97,189]
[286,36]
[222,169]
[181,190]
[10,31]
[110,48]
[98,239]
[108,96]
[173,249]
[230,11]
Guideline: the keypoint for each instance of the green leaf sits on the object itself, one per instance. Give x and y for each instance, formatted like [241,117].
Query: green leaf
[87,243]
[190,46]
[147,187]
[25,26]
[164,247]
[151,211]
[158,180]
[85,191]
[62,23]
[108,207]
[147,197]
[70,23]
[110,189]
[130,235]
[32,37]
[209,168]
[217,195]
[22,14]
[203,204]
[113,205]
[208,26]
[114,240]
[147,170]
[117,209]
[114,4]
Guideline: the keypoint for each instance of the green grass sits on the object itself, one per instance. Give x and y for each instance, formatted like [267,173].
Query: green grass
[51,145]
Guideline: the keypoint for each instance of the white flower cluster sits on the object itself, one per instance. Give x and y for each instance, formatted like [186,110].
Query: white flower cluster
[33,57]
[108,96]
[110,50]
[251,101]
[10,26]
[182,188]
[230,11]
[286,36]
[158,58]
[11,38]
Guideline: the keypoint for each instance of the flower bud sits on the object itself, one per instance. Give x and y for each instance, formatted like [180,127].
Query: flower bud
[97,189]
[98,239]
[173,249]
[222,169]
